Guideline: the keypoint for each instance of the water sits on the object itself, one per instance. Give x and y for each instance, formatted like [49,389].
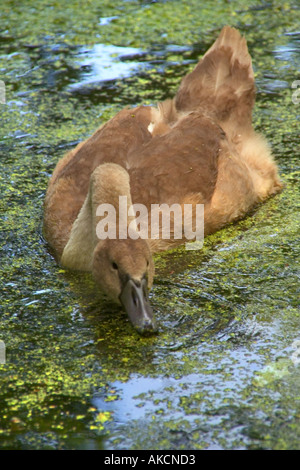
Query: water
[105,62]
[223,372]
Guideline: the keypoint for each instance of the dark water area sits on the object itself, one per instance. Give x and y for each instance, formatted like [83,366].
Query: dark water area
[224,370]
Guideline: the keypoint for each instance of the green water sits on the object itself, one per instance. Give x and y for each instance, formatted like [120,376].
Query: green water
[223,372]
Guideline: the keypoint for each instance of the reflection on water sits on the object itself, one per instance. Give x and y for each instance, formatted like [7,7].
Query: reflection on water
[105,62]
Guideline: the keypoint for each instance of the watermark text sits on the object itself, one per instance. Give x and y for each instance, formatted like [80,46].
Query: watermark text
[167,222]
[295,357]
[2,92]
[296,93]
[2,352]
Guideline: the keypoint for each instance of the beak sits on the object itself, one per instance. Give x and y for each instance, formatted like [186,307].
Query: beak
[134,298]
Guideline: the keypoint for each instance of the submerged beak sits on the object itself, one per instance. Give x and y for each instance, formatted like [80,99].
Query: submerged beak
[134,298]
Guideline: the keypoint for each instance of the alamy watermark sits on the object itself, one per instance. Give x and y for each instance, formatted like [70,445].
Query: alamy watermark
[296,93]
[176,222]
[2,352]
[295,357]
[2,92]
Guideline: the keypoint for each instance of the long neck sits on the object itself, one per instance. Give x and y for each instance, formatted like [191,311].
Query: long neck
[99,213]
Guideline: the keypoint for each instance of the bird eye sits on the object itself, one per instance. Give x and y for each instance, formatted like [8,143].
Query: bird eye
[114,265]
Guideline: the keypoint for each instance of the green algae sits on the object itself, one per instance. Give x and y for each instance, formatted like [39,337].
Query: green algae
[220,373]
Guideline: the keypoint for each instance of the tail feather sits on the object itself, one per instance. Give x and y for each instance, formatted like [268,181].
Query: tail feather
[163,117]
[231,37]
[222,84]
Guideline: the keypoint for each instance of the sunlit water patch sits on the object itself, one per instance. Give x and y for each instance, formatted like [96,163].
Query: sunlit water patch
[106,62]
[289,52]
[103,70]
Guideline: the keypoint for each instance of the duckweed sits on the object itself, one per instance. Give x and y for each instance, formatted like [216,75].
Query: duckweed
[220,372]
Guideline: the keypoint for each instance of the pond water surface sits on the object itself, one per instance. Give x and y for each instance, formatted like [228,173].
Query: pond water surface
[224,370]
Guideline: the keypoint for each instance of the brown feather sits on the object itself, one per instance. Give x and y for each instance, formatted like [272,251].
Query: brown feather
[222,84]
[169,167]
